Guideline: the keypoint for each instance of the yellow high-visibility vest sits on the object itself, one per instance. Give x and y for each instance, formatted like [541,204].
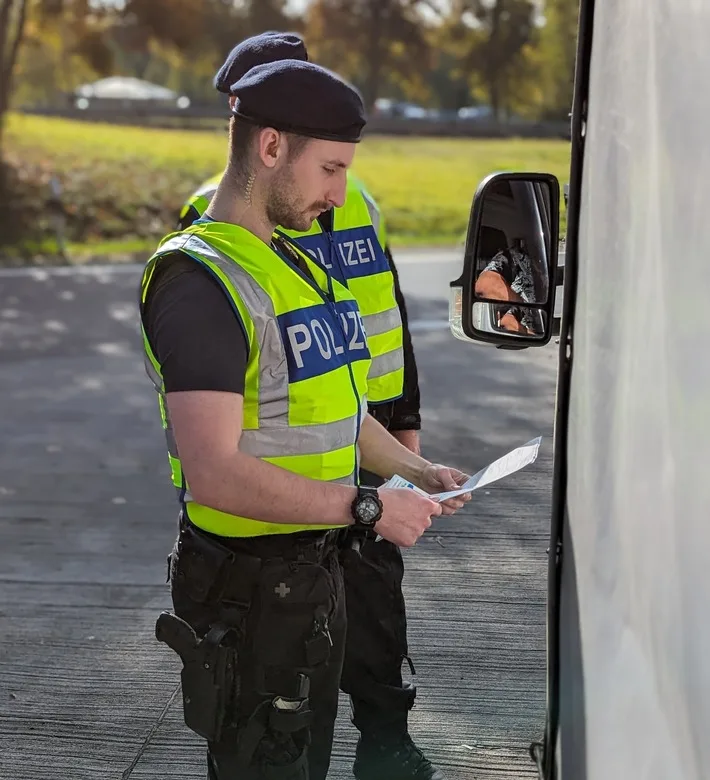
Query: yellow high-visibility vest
[305,393]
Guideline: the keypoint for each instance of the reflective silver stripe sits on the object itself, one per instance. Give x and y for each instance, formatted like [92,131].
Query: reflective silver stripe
[385,321]
[299,440]
[153,375]
[173,450]
[187,496]
[349,480]
[172,444]
[175,243]
[386,364]
[273,369]
[157,381]
[207,191]
[373,211]
[364,409]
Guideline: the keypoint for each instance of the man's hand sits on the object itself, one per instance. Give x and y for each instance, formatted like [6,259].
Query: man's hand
[492,285]
[409,439]
[441,479]
[509,322]
[385,456]
[405,515]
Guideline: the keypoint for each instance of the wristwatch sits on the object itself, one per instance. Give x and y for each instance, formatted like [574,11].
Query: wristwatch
[367,507]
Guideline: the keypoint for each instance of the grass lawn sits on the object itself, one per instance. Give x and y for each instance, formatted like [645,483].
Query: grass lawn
[123,186]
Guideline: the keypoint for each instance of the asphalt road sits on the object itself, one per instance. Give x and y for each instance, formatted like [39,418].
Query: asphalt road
[88,518]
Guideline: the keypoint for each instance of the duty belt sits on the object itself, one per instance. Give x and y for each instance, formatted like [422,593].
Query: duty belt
[235,564]
[313,546]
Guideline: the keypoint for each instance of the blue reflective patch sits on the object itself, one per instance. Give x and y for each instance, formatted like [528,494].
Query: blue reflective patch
[322,338]
[358,252]
[319,248]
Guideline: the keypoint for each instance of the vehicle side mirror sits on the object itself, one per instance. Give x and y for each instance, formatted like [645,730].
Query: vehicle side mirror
[506,294]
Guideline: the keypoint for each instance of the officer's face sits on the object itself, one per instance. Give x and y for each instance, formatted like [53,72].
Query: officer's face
[309,183]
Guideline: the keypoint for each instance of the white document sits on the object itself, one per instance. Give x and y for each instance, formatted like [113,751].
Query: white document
[400,482]
[503,467]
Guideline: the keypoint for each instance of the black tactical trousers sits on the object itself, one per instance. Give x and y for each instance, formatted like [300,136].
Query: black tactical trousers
[376,643]
[283,597]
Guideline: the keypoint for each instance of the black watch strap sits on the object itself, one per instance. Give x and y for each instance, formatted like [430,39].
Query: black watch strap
[367,507]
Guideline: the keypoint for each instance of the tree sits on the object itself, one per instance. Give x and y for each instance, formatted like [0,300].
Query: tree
[371,42]
[264,15]
[169,21]
[493,38]
[229,22]
[166,41]
[65,42]
[558,49]
[13,18]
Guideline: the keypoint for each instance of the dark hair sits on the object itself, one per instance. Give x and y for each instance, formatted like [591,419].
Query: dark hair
[241,137]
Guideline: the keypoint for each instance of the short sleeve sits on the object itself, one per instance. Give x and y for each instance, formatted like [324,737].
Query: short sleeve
[194,329]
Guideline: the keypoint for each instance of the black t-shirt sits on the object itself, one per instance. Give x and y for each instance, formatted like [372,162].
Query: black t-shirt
[193,329]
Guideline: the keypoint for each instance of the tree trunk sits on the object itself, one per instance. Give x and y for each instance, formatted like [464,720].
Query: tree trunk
[5,7]
[375,53]
[10,42]
[495,97]
[494,71]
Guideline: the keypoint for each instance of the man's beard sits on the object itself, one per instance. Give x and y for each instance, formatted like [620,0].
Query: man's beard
[284,206]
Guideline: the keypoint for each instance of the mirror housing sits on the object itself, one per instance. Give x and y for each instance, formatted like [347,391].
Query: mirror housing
[506,293]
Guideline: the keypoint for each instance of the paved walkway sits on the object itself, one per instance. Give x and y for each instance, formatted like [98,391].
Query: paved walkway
[88,518]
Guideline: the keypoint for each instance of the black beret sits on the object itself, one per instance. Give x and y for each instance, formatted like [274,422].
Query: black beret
[257,50]
[302,98]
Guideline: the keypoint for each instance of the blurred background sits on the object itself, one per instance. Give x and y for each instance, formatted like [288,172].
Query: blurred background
[109,119]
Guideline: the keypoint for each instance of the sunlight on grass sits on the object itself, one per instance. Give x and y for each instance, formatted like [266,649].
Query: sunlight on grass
[125,185]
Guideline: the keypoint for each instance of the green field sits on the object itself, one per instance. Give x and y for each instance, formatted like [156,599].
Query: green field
[122,187]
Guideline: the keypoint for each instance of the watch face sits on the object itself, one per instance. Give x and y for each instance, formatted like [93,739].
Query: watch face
[367,509]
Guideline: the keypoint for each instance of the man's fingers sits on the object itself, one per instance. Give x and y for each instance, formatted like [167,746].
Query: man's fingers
[453,504]
[447,480]
[451,509]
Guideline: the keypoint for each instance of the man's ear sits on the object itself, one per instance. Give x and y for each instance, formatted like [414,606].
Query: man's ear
[271,146]
[232,102]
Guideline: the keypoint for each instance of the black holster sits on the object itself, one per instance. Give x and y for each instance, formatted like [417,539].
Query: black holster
[210,682]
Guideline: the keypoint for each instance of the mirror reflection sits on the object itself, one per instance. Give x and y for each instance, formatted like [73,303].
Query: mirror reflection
[512,262]
[497,318]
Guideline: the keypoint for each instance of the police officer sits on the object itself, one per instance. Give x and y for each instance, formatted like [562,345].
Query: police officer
[261,366]
[350,243]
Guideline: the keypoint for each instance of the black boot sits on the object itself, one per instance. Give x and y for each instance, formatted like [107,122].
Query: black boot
[392,759]
[385,751]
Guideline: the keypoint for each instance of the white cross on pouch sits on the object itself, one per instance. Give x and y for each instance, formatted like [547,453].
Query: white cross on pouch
[282,590]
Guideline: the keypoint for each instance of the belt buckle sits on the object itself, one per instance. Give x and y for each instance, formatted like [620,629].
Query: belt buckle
[320,548]
[330,542]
